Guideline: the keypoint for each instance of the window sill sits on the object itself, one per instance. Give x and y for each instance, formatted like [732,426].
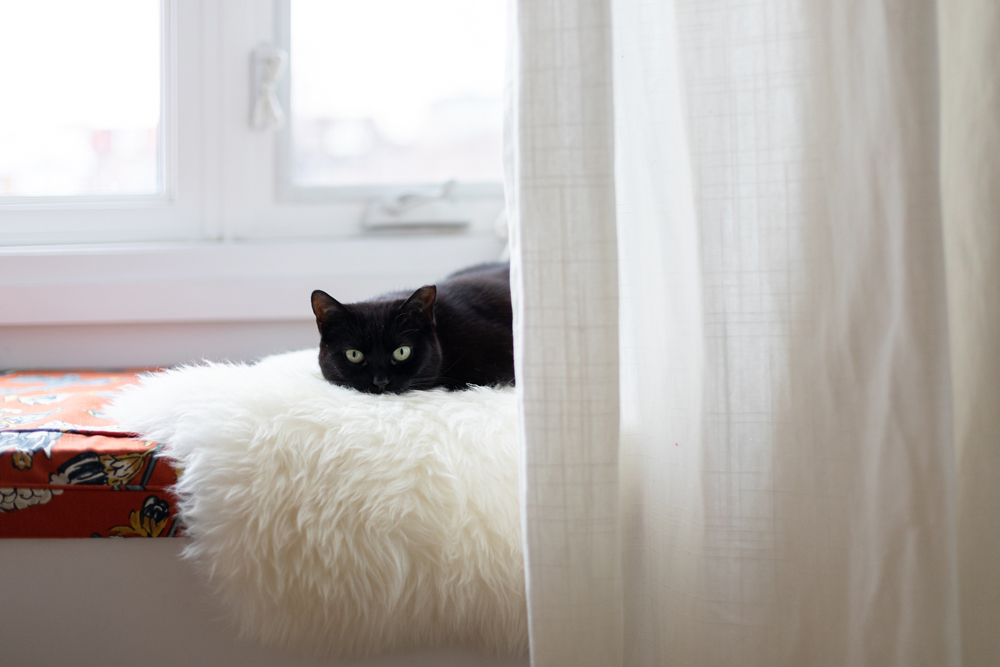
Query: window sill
[219,282]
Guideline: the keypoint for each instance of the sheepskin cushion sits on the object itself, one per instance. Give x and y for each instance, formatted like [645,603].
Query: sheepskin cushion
[344,523]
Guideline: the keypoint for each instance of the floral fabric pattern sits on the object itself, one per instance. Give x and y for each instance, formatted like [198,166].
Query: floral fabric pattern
[148,521]
[67,470]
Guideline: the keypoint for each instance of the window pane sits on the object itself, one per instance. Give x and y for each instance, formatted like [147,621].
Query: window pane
[80,91]
[397,91]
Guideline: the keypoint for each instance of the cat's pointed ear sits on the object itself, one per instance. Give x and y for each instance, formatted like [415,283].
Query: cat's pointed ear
[421,303]
[326,308]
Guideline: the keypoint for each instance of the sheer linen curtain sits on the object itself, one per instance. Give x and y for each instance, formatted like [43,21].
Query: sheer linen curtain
[732,326]
[970,180]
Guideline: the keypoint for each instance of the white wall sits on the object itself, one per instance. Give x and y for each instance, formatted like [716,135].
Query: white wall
[95,602]
[131,305]
[80,346]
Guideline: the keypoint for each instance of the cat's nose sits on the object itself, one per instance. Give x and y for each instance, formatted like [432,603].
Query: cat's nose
[380,383]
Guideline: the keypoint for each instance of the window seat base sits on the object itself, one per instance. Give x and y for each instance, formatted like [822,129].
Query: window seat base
[68,470]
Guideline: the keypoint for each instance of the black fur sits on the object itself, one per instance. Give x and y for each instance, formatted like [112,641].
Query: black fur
[459,333]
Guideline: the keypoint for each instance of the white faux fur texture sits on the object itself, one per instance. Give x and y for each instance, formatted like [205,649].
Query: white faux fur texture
[342,523]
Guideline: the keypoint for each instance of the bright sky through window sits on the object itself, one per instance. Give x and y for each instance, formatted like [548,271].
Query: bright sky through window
[397,91]
[383,92]
[79,97]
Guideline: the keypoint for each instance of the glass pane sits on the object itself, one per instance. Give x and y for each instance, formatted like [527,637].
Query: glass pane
[79,97]
[397,91]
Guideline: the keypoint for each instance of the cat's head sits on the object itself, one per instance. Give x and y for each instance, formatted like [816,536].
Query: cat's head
[379,346]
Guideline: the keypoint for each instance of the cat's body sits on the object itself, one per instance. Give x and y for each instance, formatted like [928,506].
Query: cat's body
[455,334]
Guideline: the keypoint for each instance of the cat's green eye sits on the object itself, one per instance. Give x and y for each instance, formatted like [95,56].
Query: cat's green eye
[355,356]
[401,353]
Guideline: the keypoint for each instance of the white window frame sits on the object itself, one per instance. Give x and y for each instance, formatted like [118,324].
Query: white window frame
[178,211]
[477,201]
[228,240]
[262,201]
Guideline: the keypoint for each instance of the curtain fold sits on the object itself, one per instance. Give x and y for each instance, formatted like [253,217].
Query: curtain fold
[787,484]
[970,185]
[783,464]
[565,289]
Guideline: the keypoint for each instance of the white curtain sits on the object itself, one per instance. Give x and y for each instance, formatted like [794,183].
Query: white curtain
[970,161]
[732,319]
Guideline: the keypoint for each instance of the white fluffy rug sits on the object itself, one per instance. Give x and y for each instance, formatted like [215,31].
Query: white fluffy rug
[343,523]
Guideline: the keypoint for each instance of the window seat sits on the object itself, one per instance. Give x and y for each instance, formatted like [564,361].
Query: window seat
[66,470]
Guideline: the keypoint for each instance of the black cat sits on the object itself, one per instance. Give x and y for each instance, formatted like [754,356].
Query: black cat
[453,335]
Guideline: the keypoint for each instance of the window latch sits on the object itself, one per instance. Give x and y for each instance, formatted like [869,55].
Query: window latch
[429,210]
[268,66]
[408,200]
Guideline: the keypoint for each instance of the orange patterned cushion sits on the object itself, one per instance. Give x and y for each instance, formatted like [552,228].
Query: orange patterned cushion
[66,470]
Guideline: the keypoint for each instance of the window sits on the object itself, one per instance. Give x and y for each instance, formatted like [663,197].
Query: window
[132,119]
[128,159]
[102,123]
[363,116]
[83,90]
